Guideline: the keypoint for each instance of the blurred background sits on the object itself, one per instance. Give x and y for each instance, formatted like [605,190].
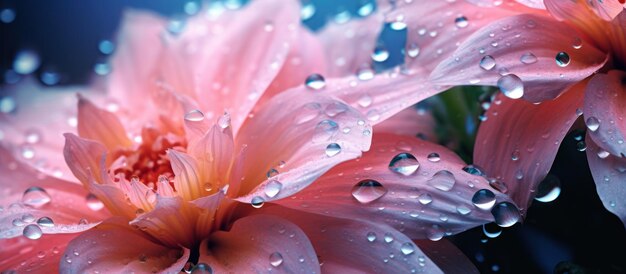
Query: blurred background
[64,43]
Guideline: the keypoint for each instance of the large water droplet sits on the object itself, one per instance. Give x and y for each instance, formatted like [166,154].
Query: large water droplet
[528,58]
[434,157]
[484,199]
[45,222]
[93,202]
[202,268]
[272,188]
[257,202]
[332,149]
[407,248]
[194,116]
[443,180]
[367,191]
[32,232]
[505,214]
[461,22]
[404,163]
[276,259]
[562,59]
[315,82]
[549,189]
[592,123]
[492,230]
[487,62]
[35,197]
[474,170]
[511,86]
[380,54]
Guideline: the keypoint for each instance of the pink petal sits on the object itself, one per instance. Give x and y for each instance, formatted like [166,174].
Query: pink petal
[617,38]
[300,135]
[349,46]
[410,122]
[353,246]
[100,125]
[537,4]
[605,107]
[214,155]
[581,17]
[259,243]
[41,256]
[609,174]
[606,10]
[540,36]
[447,256]
[519,140]
[418,204]
[188,181]
[115,247]
[230,73]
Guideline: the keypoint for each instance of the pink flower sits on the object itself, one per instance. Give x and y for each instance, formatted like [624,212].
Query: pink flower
[566,55]
[196,126]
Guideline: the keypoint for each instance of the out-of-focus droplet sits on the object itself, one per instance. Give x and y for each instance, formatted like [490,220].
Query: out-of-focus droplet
[549,189]
[93,202]
[36,197]
[380,54]
[26,62]
[202,268]
[461,22]
[7,16]
[106,47]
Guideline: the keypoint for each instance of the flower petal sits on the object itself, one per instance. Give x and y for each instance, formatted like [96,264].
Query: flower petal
[519,140]
[301,134]
[527,46]
[426,203]
[447,256]
[605,107]
[214,155]
[115,247]
[100,125]
[41,256]
[187,181]
[259,243]
[609,174]
[581,16]
[410,122]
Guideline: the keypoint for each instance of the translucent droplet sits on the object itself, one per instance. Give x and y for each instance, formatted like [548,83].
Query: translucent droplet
[367,191]
[380,54]
[106,47]
[562,59]
[404,163]
[487,62]
[365,73]
[32,232]
[499,185]
[93,202]
[577,43]
[371,237]
[592,123]
[434,157]
[528,58]
[425,198]
[511,86]
[443,180]
[461,22]
[272,188]
[45,222]
[602,154]
[276,259]
[407,248]
[549,189]
[202,268]
[307,11]
[35,197]
[28,218]
[463,209]
[492,230]
[208,187]
[7,104]
[315,82]
[413,50]
[505,214]
[26,62]
[332,149]
[194,116]
[484,199]
[224,121]
[32,136]
[257,202]
[365,100]
[388,238]
[474,170]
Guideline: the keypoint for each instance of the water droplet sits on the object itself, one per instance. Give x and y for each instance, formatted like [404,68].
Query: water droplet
[257,202]
[388,238]
[208,187]
[332,149]
[505,214]
[499,185]
[26,62]
[413,50]
[602,154]
[50,77]
[461,22]
[380,54]
[93,202]
[35,197]
[28,218]
[528,58]
[404,163]
[45,222]
[549,189]
[276,259]
[365,73]
[315,82]
[407,248]
[487,62]
[474,170]
[425,198]
[577,43]
[28,152]
[224,121]
[492,230]
[32,232]
[511,86]
[325,130]
[435,234]
[434,157]
[7,16]
[272,188]
[443,180]
[102,68]
[365,100]
[194,116]
[484,199]
[562,59]
[463,209]
[592,123]
[106,47]
[7,104]
[367,191]
[202,268]
[515,155]
[371,237]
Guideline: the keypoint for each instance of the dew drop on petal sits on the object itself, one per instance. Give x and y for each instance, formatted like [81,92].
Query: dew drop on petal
[592,123]
[93,202]
[257,202]
[562,59]
[505,214]
[202,268]
[474,170]
[276,259]
[577,43]
[549,189]
[528,58]
[272,188]
[407,248]
[461,22]
[367,191]
[443,180]
[194,116]
[484,199]
[332,149]
[325,130]
[365,73]
[511,86]
[371,237]
[425,198]
[602,154]
[434,157]
[388,238]
[45,222]
[487,62]
[404,163]
[463,209]
[32,231]
[492,230]
[380,54]
[35,197]
[413,50]
[315,82]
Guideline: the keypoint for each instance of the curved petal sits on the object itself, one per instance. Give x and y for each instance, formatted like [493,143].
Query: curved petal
[301,134]
[115,247]
[100,125]
[410,122]
[259,243]
[447,256]
[527,46]
[537,4]
[434,200]
[41,256]
[581,16]
[519,140]
[214,154]
[605,107]
[609,174]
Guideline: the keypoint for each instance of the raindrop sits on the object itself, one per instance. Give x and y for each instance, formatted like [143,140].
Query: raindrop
[474,170]
[371,237]
[511,86]
[505,214]
[435,234]
[307,113]
[194,116]
[272,188]
[549,189]
[202,268]
[332,149]
[443,180]
[404,163]
[592,123]
[528,58]
[93,202]
[315,82]
[484,199]
[515,155]
[276,259]
[413,50]
[28,218]
[367,191]
[380,54]
[208,187]
[434,157]
[35,197]
[257,202]
[45,222]
[407,248]
[26,62]
[487,62]
[461,22]
[32,232]
[562,59]
[492,230]
[425,198]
